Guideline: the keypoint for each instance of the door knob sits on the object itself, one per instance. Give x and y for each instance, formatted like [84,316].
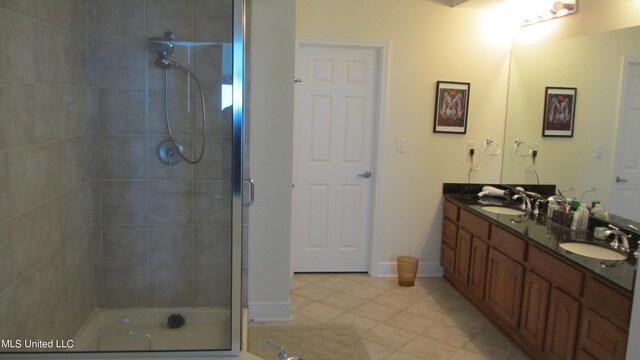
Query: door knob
[366,174]
[620,180]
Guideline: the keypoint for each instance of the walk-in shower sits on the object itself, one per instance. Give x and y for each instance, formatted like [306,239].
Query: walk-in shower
[104,247]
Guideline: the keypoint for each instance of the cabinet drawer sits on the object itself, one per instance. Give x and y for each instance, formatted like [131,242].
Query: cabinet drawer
[563,275]
[474,224]
[608,302]
[451,211]
[600,339]
[509,244]
[449,233]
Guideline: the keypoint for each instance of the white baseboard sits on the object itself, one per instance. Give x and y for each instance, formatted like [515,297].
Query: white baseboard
[262,311]
[387,269]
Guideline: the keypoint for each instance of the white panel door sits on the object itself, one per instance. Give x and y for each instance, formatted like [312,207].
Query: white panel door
[626,197]
[335,116]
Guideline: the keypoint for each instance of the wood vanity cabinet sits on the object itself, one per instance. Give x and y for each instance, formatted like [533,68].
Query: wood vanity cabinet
[605,322]
[535,303]
[504,287]
[463,257]
[469,250]
[551,308]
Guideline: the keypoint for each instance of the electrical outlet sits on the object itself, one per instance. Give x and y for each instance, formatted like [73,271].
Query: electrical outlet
[471,145]
[599,151]
[529,168]
[475,167]
[534,146]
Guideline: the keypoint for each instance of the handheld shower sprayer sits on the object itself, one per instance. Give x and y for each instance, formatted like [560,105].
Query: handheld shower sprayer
[170,151]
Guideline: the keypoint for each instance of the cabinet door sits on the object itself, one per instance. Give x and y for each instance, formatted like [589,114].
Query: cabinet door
[562,326]
[600,339]
[504,287]
[463,258]
[478,271]
[447,260]
[535,302]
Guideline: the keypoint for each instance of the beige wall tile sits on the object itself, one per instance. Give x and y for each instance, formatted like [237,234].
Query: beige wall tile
[122,112]
[124,245]
[213,20]
[34,176]
[122,157]
[5,199]
[180,119]
[69,15]
[35,236]
[120,20]
[122,65]
[170,15]
[217,160]
[126,287]
[171,286]
[170,202]
[212,202]
[6,257]
[123,202]
[19,46]
[171,245]
[217,295]
[213,245]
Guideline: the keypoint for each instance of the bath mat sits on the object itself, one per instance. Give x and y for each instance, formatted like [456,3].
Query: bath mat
[313,342]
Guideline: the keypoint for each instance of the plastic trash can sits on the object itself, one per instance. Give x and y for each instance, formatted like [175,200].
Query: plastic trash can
[407,270]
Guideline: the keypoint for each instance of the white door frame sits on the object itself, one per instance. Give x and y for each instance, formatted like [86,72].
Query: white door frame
[627,61]
[382,57]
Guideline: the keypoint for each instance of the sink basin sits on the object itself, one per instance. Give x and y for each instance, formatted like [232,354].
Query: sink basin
[592,251]
[502,210]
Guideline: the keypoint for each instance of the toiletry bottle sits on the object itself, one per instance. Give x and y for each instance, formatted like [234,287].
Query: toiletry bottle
[597,211]
[576,220]
[583,222]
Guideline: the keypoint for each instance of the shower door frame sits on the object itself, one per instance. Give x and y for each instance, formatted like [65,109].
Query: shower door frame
[238,147]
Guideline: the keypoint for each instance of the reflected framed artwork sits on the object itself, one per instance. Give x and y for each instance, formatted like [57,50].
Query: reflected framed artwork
[559,111]
[452,105]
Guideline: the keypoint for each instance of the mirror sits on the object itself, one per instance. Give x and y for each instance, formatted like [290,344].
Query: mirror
[593,64]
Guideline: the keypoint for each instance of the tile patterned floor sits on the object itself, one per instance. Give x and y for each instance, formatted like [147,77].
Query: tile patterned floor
[428,321]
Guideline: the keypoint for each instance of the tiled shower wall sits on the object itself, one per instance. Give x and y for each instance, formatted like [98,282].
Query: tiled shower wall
[47,282]
[165,230]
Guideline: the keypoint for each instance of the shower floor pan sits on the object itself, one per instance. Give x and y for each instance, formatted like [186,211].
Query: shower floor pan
[135,329]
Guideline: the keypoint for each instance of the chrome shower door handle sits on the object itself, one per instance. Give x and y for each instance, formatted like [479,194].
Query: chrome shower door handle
[252,193]
[366,174]
[620,180]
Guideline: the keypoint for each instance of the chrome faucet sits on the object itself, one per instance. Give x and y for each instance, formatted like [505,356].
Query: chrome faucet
[619,236]
[526,204]
[280,349]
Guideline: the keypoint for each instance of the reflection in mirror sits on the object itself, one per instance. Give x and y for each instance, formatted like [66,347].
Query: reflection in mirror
[594,65]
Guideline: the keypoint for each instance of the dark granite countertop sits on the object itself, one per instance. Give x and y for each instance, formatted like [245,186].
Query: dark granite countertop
[548,235]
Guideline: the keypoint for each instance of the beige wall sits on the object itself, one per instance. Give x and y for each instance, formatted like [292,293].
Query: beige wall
[271,97]
[427,42]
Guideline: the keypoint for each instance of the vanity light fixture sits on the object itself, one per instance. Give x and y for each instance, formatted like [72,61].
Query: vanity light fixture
[551,9]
